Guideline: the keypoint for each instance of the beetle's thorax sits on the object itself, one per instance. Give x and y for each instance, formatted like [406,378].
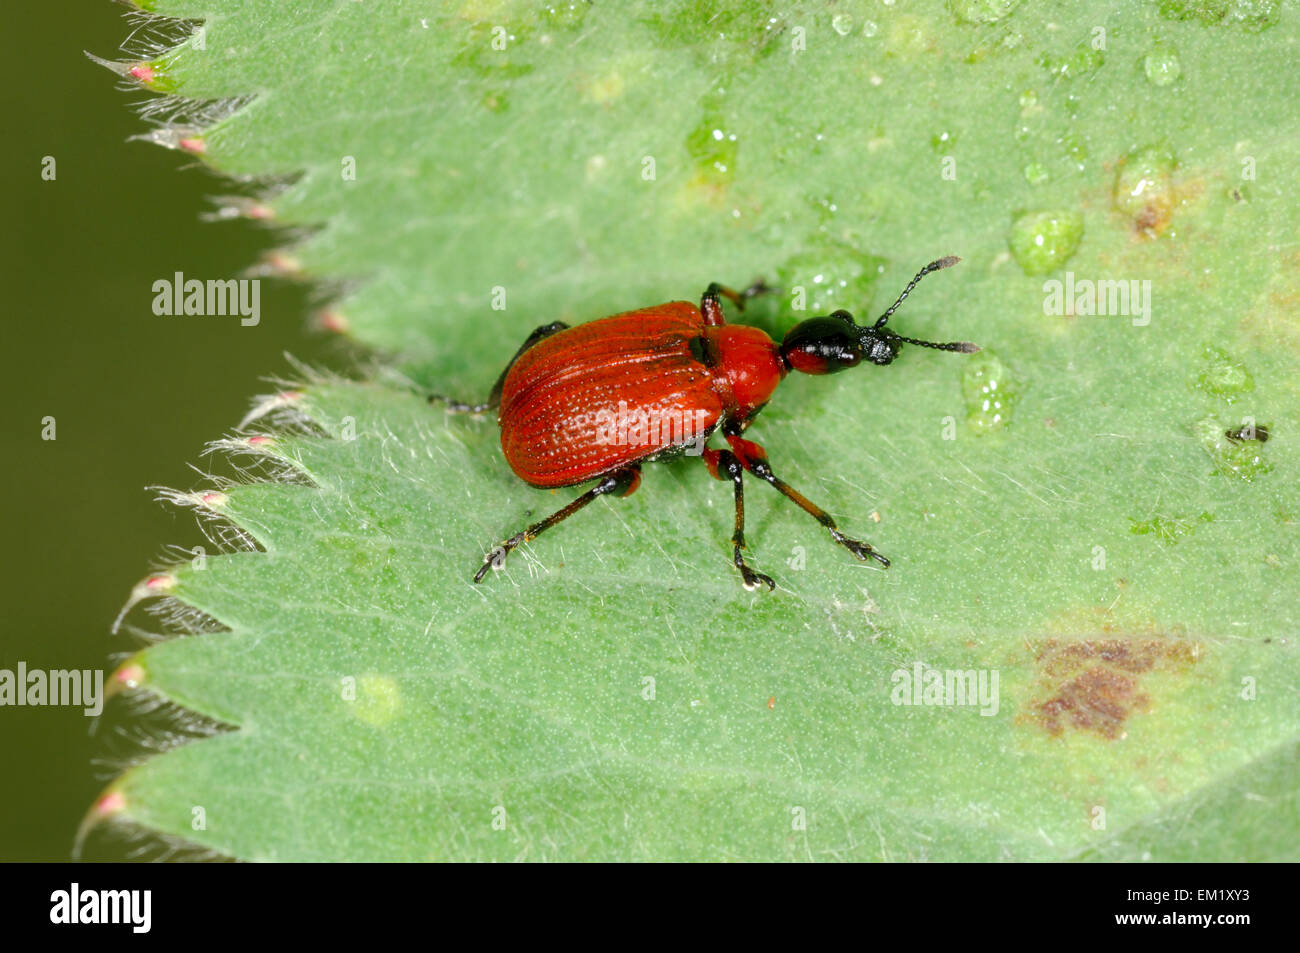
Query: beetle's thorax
[746,367]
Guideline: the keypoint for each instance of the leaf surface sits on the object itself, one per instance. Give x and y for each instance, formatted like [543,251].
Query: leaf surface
[1065,510]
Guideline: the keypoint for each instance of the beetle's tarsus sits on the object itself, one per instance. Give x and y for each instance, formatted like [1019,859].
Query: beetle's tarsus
[759,287]
[494,559]
[725,465]
[862,550]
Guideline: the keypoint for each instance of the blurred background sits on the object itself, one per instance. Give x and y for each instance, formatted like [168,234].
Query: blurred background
[135,396]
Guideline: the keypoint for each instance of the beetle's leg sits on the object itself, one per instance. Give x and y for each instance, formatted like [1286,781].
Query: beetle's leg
[494,398]
[711,307]
[754,459]
[623,482]
[724,465]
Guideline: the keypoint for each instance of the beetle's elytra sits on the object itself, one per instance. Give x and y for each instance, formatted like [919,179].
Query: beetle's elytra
[596,401]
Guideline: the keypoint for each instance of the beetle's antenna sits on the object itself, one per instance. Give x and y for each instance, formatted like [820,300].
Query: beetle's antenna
[964,347]
[933,266]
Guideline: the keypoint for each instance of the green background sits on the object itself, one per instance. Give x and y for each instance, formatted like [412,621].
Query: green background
[135,395]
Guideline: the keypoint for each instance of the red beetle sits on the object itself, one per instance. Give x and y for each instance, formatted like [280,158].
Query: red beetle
[596,401]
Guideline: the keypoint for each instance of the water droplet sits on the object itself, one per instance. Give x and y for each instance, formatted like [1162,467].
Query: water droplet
[1075,150]
[824,278]
[941,141]
[1223,375]
[494,56]
[1043,240]
[1144,189]
[1241,458]
[1036,173]
[1168,529]
[908,36]
[989,392]
[870,28]
[842,23]
[1002,41]
[564,15]
[981,11]
[1253,15]
[714,150]
[1082,62]
[1162,66]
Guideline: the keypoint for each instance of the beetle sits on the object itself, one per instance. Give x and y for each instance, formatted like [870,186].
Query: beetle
[596,401]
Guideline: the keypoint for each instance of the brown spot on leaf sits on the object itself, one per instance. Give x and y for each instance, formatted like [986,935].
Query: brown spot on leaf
[1095,685]
[1150,187]
[1153,218]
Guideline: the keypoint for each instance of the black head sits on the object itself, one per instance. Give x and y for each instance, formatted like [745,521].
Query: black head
[829,344]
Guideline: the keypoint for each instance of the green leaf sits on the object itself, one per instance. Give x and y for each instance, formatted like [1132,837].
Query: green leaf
[1091,533]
